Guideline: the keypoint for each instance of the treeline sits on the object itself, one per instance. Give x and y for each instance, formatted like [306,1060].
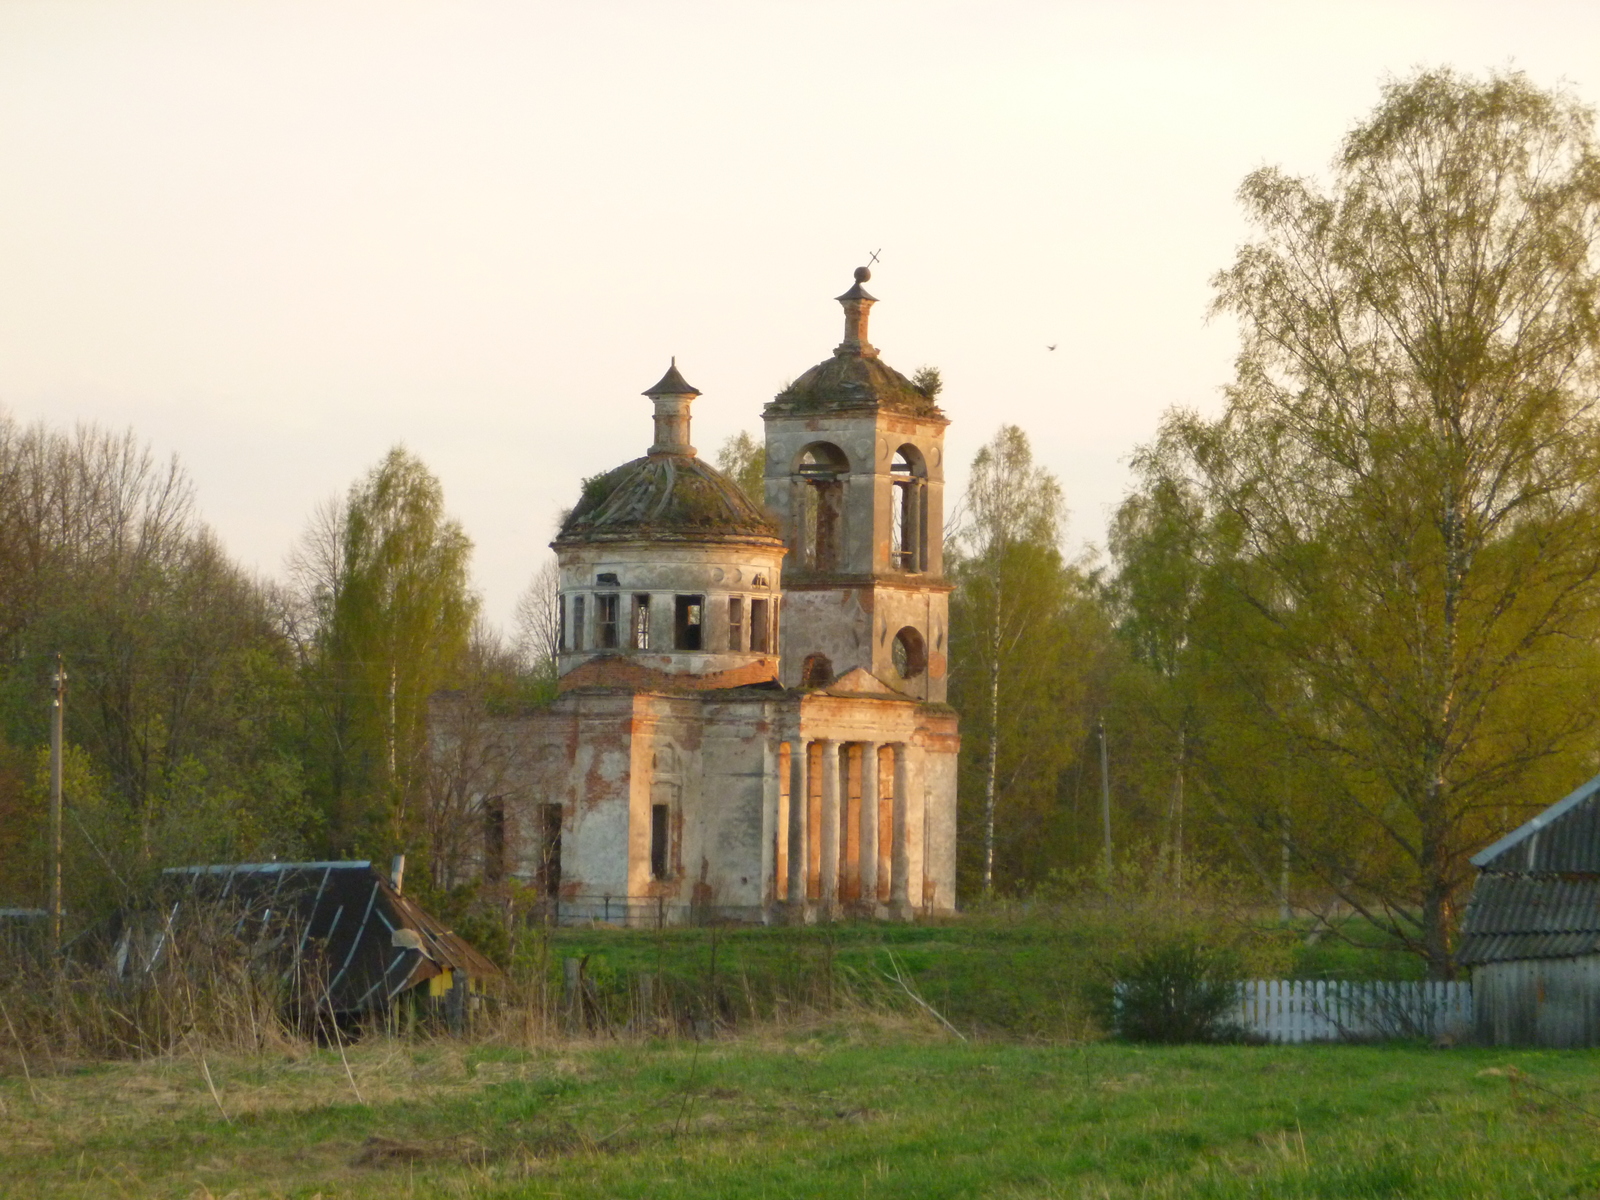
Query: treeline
[212,715]
[1343,636]
[1348,631]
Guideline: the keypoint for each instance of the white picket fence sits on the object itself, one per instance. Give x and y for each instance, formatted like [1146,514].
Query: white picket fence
[1293,1010]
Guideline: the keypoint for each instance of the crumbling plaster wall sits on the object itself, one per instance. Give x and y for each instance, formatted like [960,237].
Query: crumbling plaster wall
[665,570]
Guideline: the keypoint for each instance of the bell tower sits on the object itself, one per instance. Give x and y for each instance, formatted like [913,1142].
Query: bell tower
[855,477]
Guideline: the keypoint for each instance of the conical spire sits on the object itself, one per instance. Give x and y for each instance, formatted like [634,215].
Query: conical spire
[672,397]
[857,303]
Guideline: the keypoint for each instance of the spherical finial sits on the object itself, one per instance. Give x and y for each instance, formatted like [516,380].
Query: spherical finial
[863,274]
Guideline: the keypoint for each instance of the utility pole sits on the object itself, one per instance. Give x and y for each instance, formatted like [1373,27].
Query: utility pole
[1105,797]
[57,711]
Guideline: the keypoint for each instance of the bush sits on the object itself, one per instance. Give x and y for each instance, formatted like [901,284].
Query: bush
[1179,990]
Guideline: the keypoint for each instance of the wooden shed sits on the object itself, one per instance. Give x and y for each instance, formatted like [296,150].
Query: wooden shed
[349,940]
[1531,932]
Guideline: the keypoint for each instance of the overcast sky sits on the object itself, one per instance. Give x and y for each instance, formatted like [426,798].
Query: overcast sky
[276,239]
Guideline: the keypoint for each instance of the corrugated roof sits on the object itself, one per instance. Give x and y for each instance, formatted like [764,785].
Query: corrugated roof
[1515,916]
[1564,837]
[371,943]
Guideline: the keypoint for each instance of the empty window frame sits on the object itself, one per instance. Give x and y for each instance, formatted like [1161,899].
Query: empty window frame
[561,622]
[688,622]
[605,620]
[547,876]
[577,623]
[759,626]
[660,840]
[494,839]
[736,623]
[641,622]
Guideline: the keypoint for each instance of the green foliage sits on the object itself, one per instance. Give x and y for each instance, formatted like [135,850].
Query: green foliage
[473,915]
[928,381]
[393,614]
[1027,635]
[743,459]
[181,701]
[1368,594]
[1178,990]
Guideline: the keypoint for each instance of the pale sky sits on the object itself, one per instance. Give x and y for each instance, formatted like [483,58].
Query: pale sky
[277,238]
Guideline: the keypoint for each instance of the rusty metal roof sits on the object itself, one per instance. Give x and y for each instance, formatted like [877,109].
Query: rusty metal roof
[370,941]
[1530,916]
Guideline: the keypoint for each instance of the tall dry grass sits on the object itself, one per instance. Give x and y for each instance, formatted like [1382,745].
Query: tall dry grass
[181,980]
[214,979]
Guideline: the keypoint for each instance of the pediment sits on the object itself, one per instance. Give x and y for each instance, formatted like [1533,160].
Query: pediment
[859,680]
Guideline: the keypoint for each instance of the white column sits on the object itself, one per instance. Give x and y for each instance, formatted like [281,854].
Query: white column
[830,826]
[799,865]
[900,873]
[869,824]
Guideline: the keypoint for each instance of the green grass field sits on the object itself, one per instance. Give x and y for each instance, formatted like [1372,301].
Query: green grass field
[868,1105]
[989,975]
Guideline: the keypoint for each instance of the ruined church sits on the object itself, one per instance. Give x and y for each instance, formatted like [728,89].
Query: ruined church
[751,721]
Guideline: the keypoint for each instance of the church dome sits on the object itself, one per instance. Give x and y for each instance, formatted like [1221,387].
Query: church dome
[669,495]
[852,381]
[665,497]
[855,377]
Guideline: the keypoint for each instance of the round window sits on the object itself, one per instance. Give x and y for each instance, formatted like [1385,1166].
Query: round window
[910,653]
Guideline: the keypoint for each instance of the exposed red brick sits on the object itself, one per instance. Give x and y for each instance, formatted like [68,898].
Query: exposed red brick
[623,673]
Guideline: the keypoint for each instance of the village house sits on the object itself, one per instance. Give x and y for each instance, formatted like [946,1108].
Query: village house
[751,721]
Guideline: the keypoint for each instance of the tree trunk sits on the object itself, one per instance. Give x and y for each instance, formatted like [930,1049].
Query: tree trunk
[992,768]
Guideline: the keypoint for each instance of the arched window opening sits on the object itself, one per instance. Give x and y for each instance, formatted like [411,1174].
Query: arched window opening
[494,839]
[819,482]
[816,671]
[908,461]
[908,541]
[822,460]
[547,871]
[910,653]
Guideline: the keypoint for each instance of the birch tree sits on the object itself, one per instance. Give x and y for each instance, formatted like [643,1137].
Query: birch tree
[390,614]
[1007,549]
[1400,496]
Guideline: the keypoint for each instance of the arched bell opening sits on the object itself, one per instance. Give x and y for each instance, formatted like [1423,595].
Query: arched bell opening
[908,549]
[818,482]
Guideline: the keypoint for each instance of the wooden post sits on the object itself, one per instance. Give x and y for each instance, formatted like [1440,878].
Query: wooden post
[1105,798]
[572,991]
[57,712]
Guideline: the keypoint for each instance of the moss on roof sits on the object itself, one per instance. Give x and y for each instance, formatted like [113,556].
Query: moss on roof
[664,497]
[852,381]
